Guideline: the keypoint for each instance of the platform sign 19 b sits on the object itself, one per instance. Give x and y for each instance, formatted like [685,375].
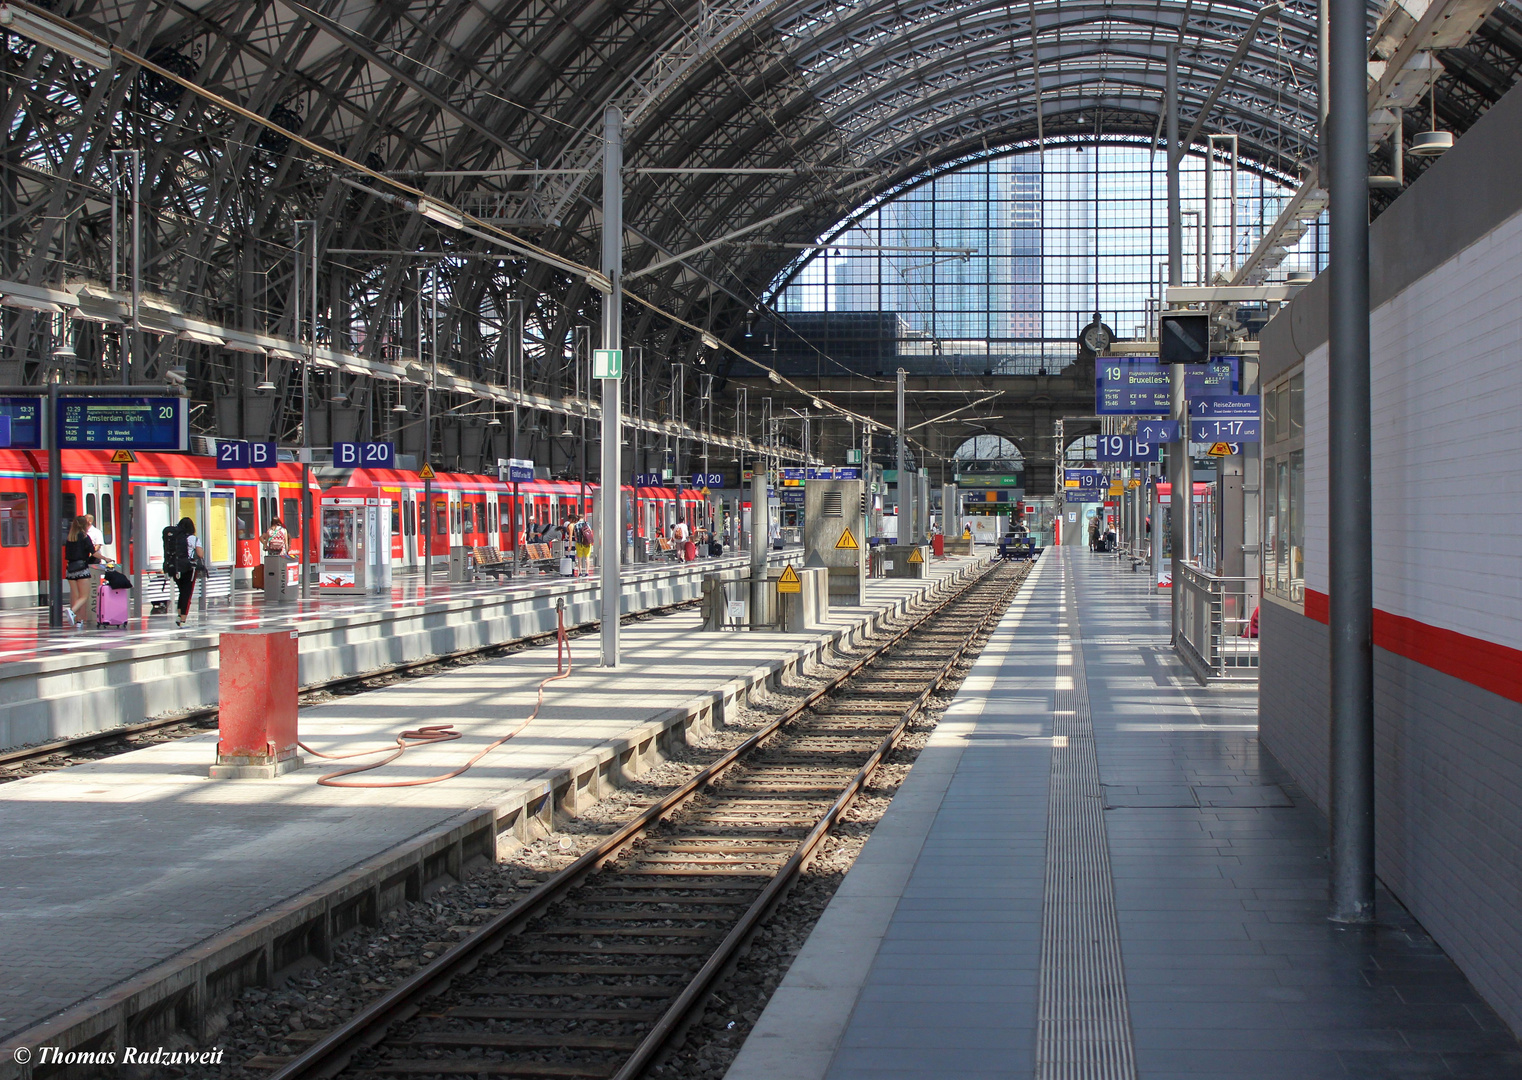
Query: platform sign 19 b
[247,455]
[136,423]
[1127,448]
[364,455]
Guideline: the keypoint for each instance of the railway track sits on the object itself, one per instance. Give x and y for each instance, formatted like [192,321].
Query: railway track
[27,761]
[599,970]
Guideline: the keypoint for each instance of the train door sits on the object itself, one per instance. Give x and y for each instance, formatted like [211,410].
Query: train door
[492,527]
[99,502]
[456,521]
[409,530]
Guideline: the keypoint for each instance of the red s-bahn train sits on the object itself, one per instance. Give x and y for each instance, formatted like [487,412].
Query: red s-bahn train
[232,508]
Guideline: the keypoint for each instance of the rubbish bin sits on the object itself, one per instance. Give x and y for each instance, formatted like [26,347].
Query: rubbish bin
[275,572]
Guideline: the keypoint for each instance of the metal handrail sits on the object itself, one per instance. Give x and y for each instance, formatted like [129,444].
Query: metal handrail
[1216,636]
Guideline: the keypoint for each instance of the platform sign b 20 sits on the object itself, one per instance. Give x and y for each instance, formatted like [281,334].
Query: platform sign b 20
[363,455]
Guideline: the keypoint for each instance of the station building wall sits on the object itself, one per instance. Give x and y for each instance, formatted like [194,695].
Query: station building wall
[1446,335]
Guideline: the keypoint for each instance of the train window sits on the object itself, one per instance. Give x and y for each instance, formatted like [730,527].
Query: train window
[90,505]
[247,527]
[441,519]
[468,517]
[15,521]
[70,508]
[290,517]
[107,520]
[396,518]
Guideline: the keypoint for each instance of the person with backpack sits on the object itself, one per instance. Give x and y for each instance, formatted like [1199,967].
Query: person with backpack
[276,540]
[183,560]
[581,536]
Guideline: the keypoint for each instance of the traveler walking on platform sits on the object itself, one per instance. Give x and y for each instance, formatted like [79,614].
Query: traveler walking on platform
[679,539]
[79,552]
[581,536]
[183,559]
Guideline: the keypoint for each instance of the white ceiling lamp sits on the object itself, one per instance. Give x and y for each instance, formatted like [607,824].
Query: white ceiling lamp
[441,213]
[1434,142]
[265,386]
[59,38]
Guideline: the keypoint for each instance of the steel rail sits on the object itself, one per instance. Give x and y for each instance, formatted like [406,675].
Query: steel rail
[330,1054]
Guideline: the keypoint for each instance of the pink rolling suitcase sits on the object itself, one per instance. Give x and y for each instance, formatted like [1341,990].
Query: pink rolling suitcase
[113,607]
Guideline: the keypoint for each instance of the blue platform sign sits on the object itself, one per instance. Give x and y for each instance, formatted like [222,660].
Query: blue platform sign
[707,480]
[1083,479]
[1139,387]
[520,470]
[247,455]
[1242,430]
[364,455]
[25,415]
[647,479]
[848,472]
[1127,448]
[1157,431]
[5,430]
[112,423]
[1226,419]
[820,472]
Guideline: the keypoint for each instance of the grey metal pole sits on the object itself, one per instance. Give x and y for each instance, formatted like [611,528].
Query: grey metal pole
[611,542]
[309,545]
[898,461]
[55,511]
[1181,501]
[760,542]
[135,360]
[428,531]
[1349,535]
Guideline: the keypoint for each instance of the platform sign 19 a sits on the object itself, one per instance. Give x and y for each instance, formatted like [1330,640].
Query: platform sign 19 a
[1127,448]
[364,455]
[137,423]
[247,455]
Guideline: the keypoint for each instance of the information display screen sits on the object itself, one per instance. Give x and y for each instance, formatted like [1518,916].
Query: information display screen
[135,423]
[1139,386]
[25,415]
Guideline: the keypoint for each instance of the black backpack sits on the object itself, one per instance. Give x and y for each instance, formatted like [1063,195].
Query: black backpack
[176,558]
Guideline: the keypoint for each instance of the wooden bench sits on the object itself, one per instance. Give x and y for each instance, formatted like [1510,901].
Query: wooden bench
[665,549]
[541,558]
[488,560]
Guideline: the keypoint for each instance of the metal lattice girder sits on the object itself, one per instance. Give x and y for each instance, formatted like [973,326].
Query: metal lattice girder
[856,99]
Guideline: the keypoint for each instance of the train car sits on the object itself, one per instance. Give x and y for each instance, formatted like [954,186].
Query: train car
[233,508]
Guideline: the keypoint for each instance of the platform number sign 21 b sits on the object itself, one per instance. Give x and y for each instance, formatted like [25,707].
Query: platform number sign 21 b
[247,455]
[363,455]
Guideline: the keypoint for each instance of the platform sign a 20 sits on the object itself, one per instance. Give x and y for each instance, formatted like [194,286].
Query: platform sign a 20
[363,455]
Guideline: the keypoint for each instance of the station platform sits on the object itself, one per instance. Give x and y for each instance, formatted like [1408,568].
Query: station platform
[1093,870]
[137,888]
[55,683]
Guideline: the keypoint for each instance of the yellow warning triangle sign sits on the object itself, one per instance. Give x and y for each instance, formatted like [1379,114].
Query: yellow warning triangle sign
[1220,449]
[915,556]
[788,582]
[847,541]
[123,457]
[426,472]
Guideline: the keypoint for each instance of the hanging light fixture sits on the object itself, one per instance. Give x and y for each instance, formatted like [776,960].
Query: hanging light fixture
[1434,142]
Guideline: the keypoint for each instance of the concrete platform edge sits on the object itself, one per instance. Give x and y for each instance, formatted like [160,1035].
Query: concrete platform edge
[183,992]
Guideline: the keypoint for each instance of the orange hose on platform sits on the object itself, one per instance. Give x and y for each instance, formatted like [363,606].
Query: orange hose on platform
[436,733]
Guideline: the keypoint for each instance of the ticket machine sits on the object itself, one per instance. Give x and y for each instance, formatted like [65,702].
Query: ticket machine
[354,549]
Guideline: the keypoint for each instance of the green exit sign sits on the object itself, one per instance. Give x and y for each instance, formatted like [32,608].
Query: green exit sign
[607,363]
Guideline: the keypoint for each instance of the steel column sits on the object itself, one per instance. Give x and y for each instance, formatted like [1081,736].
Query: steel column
[1350,536]
[612,540]
[1181,503]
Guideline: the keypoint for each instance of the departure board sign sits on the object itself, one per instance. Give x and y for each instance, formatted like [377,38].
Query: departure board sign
[137,423]
[5,430]
[25,415]
[792,477]
[1139,387]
